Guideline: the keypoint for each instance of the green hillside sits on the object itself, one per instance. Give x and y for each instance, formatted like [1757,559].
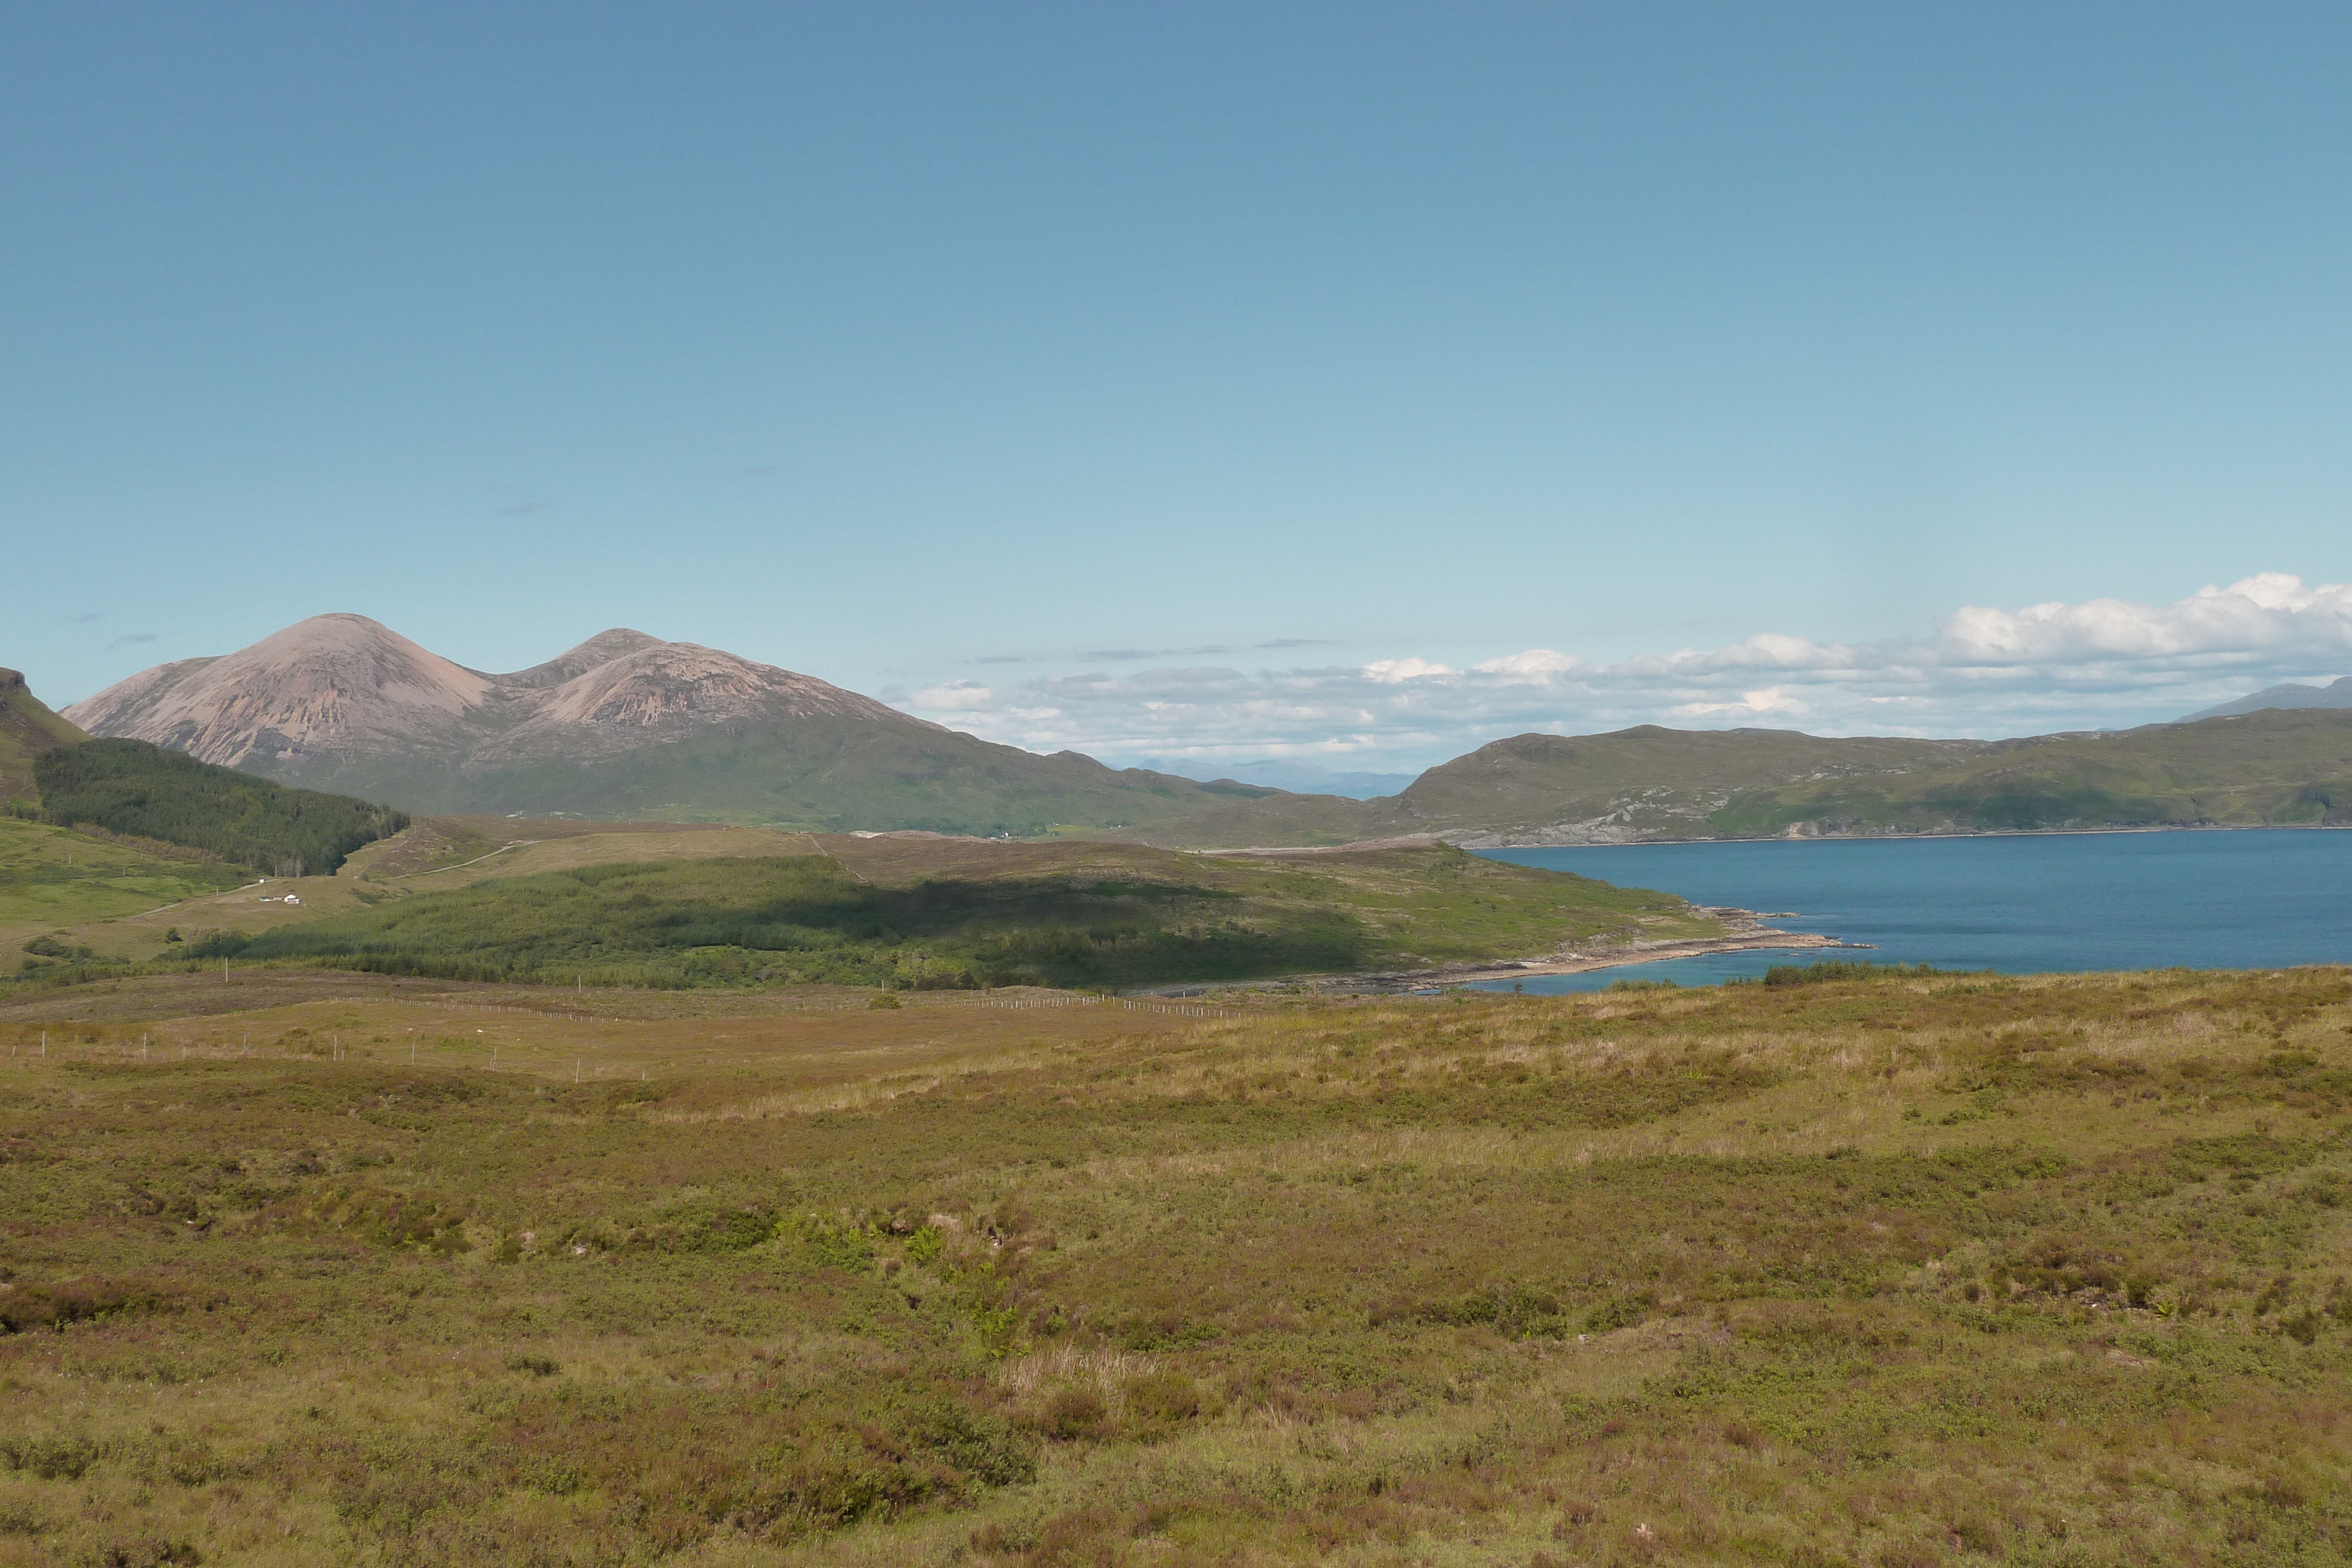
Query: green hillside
[131,786]
[1288,820]
[926,914]
[27,728]
[832,774]
[51,876]
[1645,782]
[2279,767]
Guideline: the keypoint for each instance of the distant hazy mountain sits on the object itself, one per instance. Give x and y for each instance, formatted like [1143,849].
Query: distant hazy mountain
[1284,773]
[2336,694]
[623,725]
[27,728]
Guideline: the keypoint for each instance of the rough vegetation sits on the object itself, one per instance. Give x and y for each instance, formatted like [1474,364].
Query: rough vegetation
[134,788]
[1916,1271]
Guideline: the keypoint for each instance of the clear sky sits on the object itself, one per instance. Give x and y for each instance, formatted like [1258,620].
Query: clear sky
[1199,379]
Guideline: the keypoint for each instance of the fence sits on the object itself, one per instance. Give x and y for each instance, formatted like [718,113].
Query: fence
[121,1044]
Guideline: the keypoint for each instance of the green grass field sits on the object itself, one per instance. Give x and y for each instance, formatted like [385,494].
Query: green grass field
[305,1266]
[52,877]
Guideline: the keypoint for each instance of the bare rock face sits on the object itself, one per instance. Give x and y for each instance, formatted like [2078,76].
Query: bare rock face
[661,691]
[603,648]
[333,683]
[340,685]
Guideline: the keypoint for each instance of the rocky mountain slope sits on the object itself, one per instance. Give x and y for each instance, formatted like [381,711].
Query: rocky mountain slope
[623,725]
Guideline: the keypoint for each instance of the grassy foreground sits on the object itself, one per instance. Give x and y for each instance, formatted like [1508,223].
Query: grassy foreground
[315,1268]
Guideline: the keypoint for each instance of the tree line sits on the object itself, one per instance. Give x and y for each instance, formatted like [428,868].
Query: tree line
[133,787]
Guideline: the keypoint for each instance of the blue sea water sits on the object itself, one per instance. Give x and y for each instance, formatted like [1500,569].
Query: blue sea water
[2260,898]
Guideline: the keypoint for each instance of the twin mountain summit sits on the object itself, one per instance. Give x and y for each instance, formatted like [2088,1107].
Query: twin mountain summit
[627,726]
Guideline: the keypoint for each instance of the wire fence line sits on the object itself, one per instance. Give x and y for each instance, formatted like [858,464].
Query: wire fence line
[1132,1004]
[933,999]
[123,1045]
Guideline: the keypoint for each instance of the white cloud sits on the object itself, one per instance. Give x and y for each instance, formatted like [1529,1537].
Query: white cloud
[1751,705]
[2107,661]
[953,696]
[1535,664]
[1396,671]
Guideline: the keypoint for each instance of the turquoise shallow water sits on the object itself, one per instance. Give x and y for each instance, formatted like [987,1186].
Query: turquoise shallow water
[2254,899]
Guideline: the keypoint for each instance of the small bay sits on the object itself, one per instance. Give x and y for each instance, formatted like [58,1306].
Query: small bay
[2222,899]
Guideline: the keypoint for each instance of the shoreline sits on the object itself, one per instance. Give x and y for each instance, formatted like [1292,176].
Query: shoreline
[1577,964]
[1743,931]
[1880,838]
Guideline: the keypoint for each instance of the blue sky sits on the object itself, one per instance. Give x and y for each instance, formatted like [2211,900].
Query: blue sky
[1198,379]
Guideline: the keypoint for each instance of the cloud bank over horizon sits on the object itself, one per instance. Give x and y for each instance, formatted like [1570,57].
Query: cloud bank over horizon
[2104,663]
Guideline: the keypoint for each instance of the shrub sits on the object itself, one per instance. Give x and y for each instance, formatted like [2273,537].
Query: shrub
[1161,1400]
[836,1244]
[51,1458]
[78,1300]
[1072,1414]
[1829,969]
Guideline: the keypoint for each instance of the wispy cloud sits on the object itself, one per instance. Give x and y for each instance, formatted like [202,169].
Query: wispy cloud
[2107,661]
[1122,655]
[132,637]
[524,509]
[1132,655]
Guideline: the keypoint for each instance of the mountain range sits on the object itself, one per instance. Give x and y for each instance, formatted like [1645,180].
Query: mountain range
[1288,774]
[2336,693]
[627,726]
[624,725]
[2277,767]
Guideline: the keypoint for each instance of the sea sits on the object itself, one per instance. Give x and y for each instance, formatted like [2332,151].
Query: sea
[2217,899]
